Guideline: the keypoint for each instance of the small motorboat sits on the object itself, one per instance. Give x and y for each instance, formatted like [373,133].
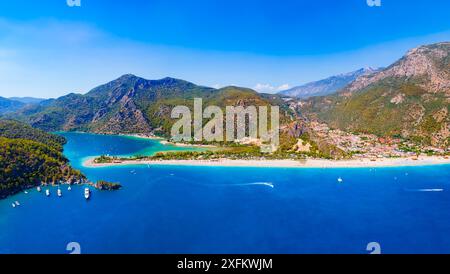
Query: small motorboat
[26,192]
[87,193]
[39,189]
[340,180]
[47,192]
[59,192]
[69,188]
[13,205]
[17,203]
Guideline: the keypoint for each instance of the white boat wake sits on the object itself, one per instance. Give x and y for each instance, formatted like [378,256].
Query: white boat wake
[426,190]
[268,184]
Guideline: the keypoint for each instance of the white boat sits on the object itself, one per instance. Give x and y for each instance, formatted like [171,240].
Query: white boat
[47,192]
[69,188]
[87,193]
[13,205]
[39,189]
[26,192]
[17,203]
[59,193]
[340,180]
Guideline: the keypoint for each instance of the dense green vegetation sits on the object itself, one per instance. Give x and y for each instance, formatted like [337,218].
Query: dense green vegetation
[134,105]
[104,159]
[373,111]
[231,151]
[16,130]
[104,185]
[30,157]
[410,99]
[26,163]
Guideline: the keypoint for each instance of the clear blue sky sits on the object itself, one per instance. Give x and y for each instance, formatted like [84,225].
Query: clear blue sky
[48,49]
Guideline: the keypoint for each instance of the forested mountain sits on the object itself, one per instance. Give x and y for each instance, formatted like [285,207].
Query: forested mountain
[15,130]
[29,157]
[410,98]
[132,104]
[8,105]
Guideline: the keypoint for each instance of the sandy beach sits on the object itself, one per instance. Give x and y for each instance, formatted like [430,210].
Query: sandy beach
[186,145]
[164,142]
[142,136]
[310,163]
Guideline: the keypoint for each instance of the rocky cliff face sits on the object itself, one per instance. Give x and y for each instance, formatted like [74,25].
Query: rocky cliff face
[410,98]
[130,104]
[428,66]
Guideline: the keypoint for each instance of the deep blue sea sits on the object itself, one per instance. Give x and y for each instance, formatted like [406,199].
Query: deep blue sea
[168,209]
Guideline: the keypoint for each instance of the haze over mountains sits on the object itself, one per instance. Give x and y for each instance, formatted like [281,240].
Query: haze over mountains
[8,105]
[27,100]
[410,98]
[327,86]
[12,104]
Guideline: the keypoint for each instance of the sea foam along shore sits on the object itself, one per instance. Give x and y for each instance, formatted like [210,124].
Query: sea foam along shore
[310,163]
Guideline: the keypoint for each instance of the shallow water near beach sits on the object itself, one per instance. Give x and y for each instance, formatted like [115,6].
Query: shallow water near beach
[174,209]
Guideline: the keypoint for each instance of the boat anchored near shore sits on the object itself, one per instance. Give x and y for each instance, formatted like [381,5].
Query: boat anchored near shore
[87,193]
[47,192]
[59,192]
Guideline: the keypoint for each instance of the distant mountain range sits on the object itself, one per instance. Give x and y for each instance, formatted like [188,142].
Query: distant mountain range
[27,100]
[327,86]
[8,105]
[131,104]
[410,98]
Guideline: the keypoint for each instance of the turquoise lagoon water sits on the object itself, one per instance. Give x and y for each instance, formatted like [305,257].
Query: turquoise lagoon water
[171,209]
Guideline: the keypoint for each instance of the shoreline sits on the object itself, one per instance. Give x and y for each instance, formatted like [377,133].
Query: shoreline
[138,136]
[309,163]
[167,143]
[164,142]
[161,140]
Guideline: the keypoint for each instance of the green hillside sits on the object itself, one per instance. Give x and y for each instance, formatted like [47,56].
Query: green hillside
[8,105]
[16,130]
[411,99]
[25,162]
[133,105]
